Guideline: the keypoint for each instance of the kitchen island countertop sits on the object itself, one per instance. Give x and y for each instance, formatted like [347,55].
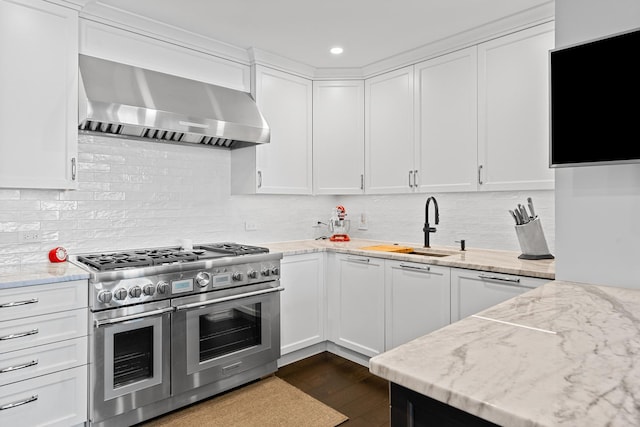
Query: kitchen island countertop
[563,354]
[506,262]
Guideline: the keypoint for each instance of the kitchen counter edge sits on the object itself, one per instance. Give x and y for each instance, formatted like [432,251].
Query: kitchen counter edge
[16,276]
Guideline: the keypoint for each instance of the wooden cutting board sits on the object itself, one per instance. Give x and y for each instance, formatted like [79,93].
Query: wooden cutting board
[389,248]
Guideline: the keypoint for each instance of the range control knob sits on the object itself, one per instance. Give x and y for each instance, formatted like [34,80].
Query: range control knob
[104,296]
[203,278]
[135,291]
[149,290]
[120,294]
[275,271]
[162,287]
[252,274]
[237,276]
[265,271]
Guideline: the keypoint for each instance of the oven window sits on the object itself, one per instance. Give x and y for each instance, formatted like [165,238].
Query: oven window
[230,330]
[132,356]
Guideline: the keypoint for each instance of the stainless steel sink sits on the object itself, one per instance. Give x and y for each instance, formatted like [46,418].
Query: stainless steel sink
[433,252]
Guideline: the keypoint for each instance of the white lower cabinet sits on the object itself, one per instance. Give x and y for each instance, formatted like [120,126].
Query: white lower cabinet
[302,302]
[417,300]
[57,399]
[356,304]
[43,354]
[473,291]
[372,305]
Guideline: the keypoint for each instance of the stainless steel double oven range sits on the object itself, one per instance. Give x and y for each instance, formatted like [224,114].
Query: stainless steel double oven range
[170,327]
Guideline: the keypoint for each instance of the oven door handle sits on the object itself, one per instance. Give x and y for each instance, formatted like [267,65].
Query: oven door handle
[104,322]
[229,298]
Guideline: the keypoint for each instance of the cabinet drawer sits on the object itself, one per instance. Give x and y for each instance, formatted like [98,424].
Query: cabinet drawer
[41,360]
[474,291]
[32,331]
[42,299]
[58,399]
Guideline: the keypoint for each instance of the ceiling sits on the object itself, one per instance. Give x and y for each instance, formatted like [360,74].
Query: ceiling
[303,31]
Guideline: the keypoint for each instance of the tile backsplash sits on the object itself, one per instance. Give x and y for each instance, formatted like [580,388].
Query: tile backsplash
[143,194]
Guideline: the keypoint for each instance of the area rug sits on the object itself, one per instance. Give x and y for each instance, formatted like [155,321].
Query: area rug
[269,402]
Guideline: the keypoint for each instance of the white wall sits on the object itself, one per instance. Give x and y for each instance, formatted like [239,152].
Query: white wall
[597,207]
[138,194]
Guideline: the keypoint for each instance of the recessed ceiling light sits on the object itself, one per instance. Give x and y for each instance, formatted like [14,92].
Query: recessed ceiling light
[336,50]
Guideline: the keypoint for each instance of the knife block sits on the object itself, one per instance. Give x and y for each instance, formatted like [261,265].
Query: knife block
[532,241]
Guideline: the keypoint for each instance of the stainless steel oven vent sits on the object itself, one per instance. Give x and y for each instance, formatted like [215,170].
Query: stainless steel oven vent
[124,101]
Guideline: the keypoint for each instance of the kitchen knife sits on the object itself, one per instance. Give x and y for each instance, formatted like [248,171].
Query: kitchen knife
[523,213]
[515,218]
[531,210]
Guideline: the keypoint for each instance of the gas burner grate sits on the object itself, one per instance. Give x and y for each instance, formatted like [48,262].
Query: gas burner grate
[116,261]
[234,248]
[160,256]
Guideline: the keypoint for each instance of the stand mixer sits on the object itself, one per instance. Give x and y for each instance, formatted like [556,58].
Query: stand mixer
[338,225]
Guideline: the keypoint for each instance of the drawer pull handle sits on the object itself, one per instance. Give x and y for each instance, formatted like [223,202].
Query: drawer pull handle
[19,335]
[15,368]
[413,267]
[502,279]
[361,260]
[20,403]
[17,303]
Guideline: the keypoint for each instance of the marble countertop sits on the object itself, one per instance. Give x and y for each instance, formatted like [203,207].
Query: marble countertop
[506,262]
[563,354]
[473,258]
[38,274]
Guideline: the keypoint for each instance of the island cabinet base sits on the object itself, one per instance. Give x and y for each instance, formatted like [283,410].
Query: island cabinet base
[409,408]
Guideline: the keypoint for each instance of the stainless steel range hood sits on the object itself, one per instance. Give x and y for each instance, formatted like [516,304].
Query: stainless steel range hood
[125,101]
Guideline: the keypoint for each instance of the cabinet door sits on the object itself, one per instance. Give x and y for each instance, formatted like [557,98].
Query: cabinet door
[302,302]
[284,165]
[446,122]
[58,399]
[359,310]
[338,137]
[39,87]
[389,142]
[417,300]
[473,291]
[513,111]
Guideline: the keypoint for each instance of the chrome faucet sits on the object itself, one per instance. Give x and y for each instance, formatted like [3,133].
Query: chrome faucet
[427,229]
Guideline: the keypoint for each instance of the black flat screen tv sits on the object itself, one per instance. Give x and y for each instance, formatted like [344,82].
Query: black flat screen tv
[595,102]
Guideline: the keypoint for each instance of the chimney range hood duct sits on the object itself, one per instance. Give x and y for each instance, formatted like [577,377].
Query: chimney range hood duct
[129,102]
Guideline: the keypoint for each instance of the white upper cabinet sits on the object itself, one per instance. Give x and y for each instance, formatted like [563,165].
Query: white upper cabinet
[283,166]
[338,137]
[446,122]
[389,141]
[39,95]
[513,120]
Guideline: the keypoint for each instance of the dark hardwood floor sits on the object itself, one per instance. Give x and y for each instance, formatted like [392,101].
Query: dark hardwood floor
[343,385]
